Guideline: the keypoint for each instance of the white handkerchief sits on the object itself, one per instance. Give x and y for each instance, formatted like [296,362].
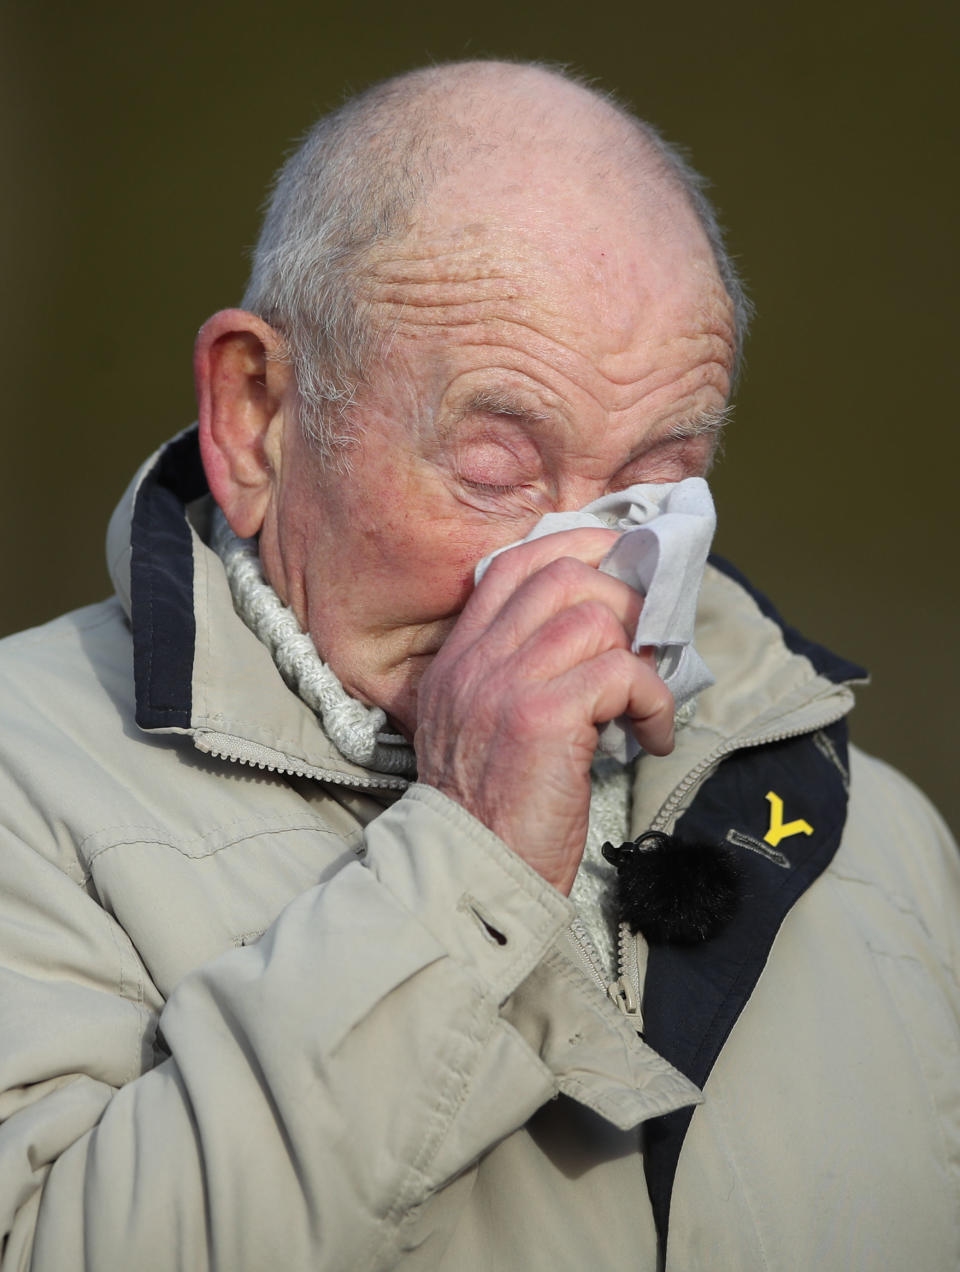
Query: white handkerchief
[666,530]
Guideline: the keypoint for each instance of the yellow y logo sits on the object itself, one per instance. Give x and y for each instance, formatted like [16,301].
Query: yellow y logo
[777,829]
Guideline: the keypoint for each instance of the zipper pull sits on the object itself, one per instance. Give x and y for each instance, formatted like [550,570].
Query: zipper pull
[622,994]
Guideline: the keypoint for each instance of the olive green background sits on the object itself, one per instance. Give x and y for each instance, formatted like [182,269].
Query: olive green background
[137,143]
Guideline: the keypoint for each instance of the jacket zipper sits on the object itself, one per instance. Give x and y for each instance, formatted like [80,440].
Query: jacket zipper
[676,797]
[626,991]
[588,953]
[223,747]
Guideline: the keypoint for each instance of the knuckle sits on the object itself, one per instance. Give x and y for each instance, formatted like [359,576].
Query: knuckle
[649,691]
[528,717]
[603,621]
[504,566]
[621,662]
[659,700]
[564,572]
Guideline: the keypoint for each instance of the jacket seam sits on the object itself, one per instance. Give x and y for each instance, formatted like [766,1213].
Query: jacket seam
[167,842]
[124,946]
[485,1023]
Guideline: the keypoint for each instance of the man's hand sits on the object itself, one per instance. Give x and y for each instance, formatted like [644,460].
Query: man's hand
[509,708]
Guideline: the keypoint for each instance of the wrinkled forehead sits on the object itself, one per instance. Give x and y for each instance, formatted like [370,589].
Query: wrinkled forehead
[600,271]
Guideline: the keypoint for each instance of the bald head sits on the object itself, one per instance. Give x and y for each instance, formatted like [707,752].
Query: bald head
[460,144]
[455,117]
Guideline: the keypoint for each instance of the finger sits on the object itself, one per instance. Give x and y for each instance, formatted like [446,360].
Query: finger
[618,683]
[526,596]
[576,634]
[510,569]
[560,586]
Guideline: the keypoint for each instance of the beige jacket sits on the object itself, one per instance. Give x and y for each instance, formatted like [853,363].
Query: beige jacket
[262,1009]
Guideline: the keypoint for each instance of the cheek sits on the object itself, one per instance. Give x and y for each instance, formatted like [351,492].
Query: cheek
[428,567]
[421,552]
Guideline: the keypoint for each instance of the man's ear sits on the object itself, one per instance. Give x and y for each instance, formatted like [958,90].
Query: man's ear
[243,387]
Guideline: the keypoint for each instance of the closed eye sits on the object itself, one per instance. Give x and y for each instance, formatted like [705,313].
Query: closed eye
[489,488]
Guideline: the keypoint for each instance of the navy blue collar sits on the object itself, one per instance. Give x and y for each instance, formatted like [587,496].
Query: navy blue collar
[796,788]
[161,585]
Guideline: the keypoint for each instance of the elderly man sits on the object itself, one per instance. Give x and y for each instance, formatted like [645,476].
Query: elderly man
[310,948]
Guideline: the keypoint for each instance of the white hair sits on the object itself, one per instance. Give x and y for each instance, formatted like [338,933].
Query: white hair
[354,182]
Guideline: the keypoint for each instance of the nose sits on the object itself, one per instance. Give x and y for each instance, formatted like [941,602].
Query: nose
[578,492]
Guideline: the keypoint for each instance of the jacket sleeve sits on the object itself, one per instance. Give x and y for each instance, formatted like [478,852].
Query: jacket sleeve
[302,1094]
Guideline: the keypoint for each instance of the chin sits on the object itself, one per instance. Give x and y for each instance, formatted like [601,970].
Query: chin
[402,708]
[394,690]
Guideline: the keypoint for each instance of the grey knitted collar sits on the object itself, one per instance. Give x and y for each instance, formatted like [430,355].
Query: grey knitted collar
[358,731]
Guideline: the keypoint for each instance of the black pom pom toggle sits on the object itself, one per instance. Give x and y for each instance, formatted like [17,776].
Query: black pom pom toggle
[674,892]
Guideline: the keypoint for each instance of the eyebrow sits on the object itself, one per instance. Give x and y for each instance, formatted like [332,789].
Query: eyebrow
[504,401]
[501,402]
[712,421]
